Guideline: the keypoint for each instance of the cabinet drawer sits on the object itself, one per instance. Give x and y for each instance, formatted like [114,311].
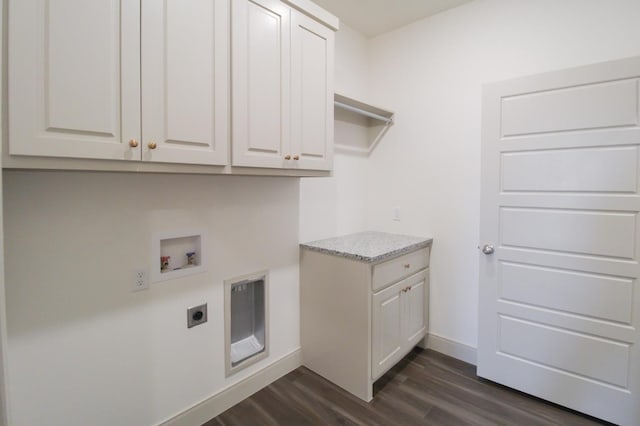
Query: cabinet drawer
[393,270]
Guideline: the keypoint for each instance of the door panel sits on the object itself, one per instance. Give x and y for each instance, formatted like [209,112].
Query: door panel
[261,66]
[599,296]
[414,309]
[74,78]
[558,314]
[312,93]
[588,106]
[577,170]
[82,65]
[387,329]
[599,233]
[184,75]
[607,361]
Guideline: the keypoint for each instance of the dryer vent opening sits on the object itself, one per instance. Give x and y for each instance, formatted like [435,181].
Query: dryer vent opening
[246,328]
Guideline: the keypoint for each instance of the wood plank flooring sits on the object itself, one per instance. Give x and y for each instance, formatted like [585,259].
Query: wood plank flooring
[425,388]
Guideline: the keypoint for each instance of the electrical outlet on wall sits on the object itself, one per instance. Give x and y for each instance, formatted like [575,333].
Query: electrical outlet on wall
[140,279]
[196,315]
[396,214]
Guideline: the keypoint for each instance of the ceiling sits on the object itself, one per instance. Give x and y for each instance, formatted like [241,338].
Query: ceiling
[374,17]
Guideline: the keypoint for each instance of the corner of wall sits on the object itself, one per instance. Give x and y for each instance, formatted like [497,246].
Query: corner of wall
[4,397]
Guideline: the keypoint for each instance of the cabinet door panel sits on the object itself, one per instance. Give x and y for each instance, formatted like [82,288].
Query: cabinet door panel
[184,81]
[312,93]
[387,330]
[261,82]
[414,309]
[74,78]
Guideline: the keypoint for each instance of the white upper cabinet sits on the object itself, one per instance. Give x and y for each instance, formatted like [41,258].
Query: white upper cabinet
[74,78]
[260,52]
[76,87]
[151,81]
[312,57]
[282,90]
[184,81]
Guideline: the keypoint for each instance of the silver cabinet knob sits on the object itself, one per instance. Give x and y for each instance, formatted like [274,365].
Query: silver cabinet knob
[487,249]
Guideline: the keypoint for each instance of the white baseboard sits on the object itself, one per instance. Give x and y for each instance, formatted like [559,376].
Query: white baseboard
[227,398]
[452,348]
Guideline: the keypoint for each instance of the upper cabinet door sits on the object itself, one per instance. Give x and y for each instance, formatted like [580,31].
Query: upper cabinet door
[312,93]
[260,52]
[74,78]
[185,99]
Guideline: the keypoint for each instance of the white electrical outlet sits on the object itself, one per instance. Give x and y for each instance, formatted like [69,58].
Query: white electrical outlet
[140,279]
[396,214]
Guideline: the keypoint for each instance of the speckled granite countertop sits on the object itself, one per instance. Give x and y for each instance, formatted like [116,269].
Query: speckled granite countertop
[368,246]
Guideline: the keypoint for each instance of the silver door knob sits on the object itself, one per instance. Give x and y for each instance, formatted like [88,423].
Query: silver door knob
[487,249]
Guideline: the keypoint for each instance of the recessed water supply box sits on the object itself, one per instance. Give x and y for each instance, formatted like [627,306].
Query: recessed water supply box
[177,254]
[246,320]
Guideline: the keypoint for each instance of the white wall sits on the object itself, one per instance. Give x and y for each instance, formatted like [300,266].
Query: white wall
[431,74]
[336,205]
[84,349]
[82,346]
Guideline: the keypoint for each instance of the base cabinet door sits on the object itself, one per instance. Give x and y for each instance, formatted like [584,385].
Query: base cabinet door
[415,301]
[387,339]
[399,321]
[74,78]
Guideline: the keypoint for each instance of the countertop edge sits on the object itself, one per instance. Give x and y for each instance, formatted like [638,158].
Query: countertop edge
[367,259]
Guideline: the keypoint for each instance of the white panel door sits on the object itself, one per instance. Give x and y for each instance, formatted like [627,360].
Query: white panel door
[260,55]
[312,93]
[184,81]
[559,297]
[74,78]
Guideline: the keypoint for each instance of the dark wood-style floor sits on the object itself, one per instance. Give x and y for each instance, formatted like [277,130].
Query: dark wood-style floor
[425,388]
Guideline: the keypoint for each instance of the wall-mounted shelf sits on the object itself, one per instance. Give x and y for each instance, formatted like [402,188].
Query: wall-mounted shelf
[359,126]
[369,111]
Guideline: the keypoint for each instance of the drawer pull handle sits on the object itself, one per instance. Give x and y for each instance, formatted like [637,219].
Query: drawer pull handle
[407,265]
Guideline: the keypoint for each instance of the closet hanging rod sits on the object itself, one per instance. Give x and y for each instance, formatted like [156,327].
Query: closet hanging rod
[363,112]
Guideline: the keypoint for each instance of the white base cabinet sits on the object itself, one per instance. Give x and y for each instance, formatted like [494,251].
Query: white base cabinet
[359,319]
